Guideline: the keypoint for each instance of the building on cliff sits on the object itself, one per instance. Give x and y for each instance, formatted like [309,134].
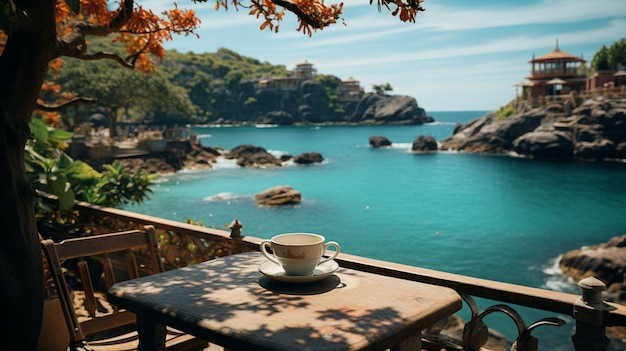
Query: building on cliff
[349,90]
[559,74]
[555,73]
[303,71]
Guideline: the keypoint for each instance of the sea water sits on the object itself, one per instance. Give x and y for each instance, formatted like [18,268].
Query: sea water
[494,217]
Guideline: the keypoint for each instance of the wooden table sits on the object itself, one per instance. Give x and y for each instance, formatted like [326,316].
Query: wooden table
[227,301]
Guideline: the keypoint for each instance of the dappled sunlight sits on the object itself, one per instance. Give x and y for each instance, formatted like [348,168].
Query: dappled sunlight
[348,310]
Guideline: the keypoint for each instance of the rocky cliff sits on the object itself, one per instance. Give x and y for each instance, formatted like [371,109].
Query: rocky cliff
[594,130]
[309,103]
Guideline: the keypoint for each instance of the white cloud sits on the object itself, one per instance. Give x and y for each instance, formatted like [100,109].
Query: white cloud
[484,49]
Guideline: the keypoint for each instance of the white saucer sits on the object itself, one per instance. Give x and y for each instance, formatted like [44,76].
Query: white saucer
[276,272]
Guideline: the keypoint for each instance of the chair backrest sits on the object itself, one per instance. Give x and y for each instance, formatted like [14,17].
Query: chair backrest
[112,257]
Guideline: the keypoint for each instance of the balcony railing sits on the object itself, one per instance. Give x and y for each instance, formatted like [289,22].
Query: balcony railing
[182,244]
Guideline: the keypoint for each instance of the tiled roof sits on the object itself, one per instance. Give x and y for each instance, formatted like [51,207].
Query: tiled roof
[557,54]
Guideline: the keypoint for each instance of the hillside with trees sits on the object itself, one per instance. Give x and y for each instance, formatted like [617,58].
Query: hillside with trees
[223,87]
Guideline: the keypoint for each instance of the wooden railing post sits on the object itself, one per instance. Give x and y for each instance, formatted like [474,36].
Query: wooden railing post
[235,234]
[589,312]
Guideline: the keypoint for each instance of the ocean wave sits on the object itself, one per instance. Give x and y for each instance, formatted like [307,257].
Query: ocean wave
[402,146]
[277,153]
[441,123]
[210,125]
[223,163]
[556,280]
[223,196]
[266,125]
[204,136]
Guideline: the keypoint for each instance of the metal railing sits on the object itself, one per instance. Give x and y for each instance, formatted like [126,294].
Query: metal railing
[182,244]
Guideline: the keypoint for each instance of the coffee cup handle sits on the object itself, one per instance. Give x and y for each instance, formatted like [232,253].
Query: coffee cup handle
[334,253]
[263,247]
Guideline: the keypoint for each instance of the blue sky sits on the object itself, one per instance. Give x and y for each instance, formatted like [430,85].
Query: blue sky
[459,55]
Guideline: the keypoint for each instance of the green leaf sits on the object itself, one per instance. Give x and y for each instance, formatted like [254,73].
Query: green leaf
[39,130]
[60,134]
[81,172]
[60,187]
[74,5]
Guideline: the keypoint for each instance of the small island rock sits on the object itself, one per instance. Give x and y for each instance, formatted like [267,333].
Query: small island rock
[278,195]
[308,158]
[252,156]
[378,141]
[424,143]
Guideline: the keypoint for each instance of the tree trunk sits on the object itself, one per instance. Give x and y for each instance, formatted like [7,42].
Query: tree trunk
[23,67]
[21,268]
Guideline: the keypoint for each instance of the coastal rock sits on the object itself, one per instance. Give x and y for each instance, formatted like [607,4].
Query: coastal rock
[308,158]
[378,141]
[606,262]
[200,157]
[152,165]
[544,145]
[424,143]
[276,117]
[380,109]
[307,101]
[595,130]
[252,156]
[278,195]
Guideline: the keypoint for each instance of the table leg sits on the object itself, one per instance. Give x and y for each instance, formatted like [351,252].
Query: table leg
[412,343]
[151,335]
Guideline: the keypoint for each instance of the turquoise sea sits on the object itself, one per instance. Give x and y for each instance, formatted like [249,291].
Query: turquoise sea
[494,217]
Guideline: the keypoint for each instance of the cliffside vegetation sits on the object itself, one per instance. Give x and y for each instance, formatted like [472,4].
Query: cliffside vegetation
[185,88]
[610,58]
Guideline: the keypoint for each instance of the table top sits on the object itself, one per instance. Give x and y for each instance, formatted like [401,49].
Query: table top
[229,302]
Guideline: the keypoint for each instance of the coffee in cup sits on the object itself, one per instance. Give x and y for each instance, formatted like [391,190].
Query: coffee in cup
[298,253]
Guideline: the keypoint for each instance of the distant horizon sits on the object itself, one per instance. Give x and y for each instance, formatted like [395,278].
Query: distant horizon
[457,53]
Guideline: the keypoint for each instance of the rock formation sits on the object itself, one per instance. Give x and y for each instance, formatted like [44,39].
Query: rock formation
[278,195]
[308,102]
[308,158]
[595,130]
[383,109]
[378,141]
[607,262]
[252,156]
[187,155]
[424,144]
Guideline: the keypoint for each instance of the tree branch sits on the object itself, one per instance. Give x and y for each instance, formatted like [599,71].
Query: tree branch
[104,55]
[65,105]
[308,18]
[74,44]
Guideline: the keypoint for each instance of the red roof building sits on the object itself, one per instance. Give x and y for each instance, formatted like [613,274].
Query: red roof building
[554,73]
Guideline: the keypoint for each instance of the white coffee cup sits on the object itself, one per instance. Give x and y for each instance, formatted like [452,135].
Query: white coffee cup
[298,253]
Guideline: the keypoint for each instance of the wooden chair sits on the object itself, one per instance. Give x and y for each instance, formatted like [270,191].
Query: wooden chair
[93,323]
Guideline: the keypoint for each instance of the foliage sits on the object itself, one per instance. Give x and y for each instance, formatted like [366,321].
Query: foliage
[117,187]
[331,84]
[191,221]
[611,58]
[382,89]
[46,164]
[122,91]
[54,172]
[506,111]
